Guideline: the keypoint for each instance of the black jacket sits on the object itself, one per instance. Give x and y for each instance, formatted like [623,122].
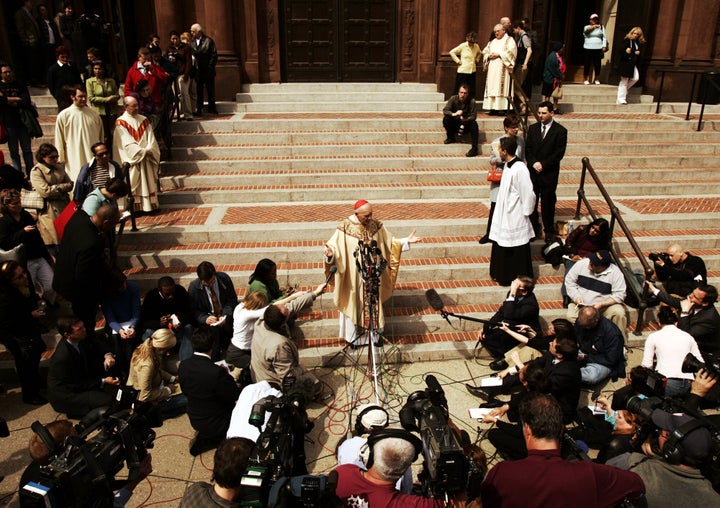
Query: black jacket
[704,325]
[82,267]
[201,303]
[549,150]
[154,306]
[211,394]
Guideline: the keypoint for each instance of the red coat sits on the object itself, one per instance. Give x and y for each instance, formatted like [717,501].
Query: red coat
[157,77]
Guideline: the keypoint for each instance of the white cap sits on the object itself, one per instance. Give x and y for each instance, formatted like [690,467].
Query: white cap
[372,416]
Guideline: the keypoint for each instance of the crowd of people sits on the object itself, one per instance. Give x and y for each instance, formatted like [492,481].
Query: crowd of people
[202,352]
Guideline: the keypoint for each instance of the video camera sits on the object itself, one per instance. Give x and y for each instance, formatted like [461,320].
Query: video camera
[446,470]
[692,364]
[82,470]
[660,256]
[279,453]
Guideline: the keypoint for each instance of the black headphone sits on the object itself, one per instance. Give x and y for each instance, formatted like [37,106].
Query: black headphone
[672,451]
[359,427]
[366,451]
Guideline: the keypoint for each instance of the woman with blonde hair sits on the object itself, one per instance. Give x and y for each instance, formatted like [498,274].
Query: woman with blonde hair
[154,385]
[629,74]
[244,317]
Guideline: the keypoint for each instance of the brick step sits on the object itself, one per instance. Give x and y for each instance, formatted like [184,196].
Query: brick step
[351,99]
[397,136]
[335,87]
[341,122]
[408,148]
[307,221]
[340,106]
[233,194]
[148,255]
[175,176]
[432,160]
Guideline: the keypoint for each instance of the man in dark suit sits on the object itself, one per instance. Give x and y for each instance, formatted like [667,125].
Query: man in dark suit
[211,392]
[78,379]
[544,149]
[203,47]
[214,300]
[60,75]
[83,266]
[519,308]
[698,315]
[169,306]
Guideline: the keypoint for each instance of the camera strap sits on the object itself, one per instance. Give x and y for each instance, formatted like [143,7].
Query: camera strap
[39,429]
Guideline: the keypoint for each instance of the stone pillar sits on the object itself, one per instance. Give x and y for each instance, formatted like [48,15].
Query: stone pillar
[216,17]
[168,16]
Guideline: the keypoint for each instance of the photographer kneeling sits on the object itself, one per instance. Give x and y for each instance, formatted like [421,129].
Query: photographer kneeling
[392,451]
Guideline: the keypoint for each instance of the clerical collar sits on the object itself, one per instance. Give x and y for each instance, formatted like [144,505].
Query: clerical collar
[511,161]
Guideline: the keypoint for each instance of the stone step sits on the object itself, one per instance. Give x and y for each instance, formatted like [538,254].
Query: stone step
[604,107]
[247,253]
[432,135]
[326,122]
[340,106]
[229,194]
[320,97]
[272,163]
[178,225]
[395,148]
[175,176]
[349,88]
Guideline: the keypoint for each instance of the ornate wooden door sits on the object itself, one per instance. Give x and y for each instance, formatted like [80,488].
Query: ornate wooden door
[339,40]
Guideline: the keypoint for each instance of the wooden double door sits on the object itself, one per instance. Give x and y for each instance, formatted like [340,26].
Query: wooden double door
[339,40]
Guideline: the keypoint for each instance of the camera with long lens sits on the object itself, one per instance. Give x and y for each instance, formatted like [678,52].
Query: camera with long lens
[82,470]
[660,256]
[692,364]
[447,469]
[278,453]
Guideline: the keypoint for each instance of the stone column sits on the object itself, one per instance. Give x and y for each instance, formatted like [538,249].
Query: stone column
[216,18]
[168,16]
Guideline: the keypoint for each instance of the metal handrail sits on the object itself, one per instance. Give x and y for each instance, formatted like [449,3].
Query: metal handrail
[694,72]
[616,217]
[517,89]
[705,79]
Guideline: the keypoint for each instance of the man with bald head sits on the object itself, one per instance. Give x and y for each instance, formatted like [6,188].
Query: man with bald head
[349,294]
[134,142]
[82,270]
[205,52]
[679,271]
[274,354]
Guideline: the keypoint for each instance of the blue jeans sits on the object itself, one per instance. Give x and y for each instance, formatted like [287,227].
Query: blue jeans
[677,387]
[594,373]
[19,135]
[173,407]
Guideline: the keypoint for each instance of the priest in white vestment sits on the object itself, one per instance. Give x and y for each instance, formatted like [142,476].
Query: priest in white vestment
[77,129]
[134,142]
[499,60]
[349,291]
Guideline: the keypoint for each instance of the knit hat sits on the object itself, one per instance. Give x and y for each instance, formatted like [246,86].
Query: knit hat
[600,258]
[373,416]
[164,338]
[697,443]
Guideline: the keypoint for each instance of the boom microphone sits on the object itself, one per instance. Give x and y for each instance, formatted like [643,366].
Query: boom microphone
[333,269]
[436,303]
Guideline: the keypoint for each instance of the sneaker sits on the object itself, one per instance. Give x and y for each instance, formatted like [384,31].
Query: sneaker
[586,82]
[597,81]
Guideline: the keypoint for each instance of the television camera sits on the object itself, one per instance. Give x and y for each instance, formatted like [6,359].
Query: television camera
[82,469]
[447,469]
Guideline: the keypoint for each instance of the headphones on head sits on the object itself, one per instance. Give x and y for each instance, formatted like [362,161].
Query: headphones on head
[366,450]
[672,449]
[360,429]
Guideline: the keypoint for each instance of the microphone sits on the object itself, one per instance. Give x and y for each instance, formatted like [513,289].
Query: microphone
[333,269]
[436,303]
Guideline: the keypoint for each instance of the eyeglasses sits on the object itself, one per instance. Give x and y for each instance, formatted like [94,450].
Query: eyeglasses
[101,154]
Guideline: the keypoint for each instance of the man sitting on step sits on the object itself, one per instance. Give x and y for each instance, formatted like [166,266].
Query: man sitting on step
[459,117]
[596,282]
[601,347]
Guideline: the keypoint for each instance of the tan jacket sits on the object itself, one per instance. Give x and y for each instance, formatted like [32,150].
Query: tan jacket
[53,184]
[147,380]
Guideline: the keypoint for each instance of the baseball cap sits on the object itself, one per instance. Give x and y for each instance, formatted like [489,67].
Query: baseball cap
[372,416]
[600,258]
[696,444]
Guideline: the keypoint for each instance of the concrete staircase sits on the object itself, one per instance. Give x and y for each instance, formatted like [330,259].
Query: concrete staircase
[274,180]
[273,175]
